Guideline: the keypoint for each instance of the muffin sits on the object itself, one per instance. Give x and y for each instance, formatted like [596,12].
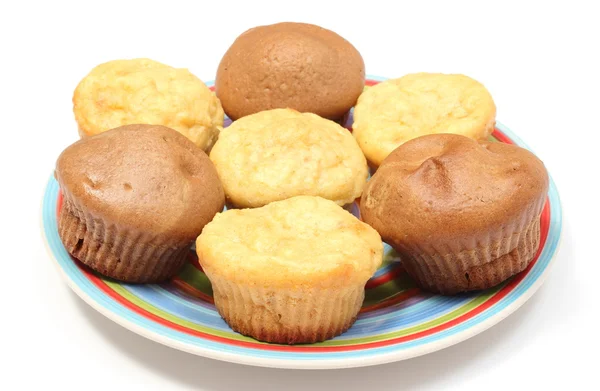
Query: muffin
[395,111]
[463,215]
[290,65]
[290,272]
[134,200]
[281,153]
[142,91]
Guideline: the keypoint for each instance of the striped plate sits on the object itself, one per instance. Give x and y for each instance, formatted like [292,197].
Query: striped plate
[397,321]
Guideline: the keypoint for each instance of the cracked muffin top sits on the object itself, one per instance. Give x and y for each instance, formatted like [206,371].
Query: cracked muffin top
[301,241]
[445,192]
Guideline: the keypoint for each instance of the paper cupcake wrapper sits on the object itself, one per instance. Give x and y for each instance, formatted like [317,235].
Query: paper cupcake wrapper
[475,269]
[286,316]
[115,252]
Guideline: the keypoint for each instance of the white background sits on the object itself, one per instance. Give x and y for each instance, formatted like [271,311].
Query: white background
[540,62]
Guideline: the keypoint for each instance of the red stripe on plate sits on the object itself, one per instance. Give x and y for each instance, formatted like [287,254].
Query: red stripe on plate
[407,294]
[389,276]
[498,135]
[59,202]
[192,291]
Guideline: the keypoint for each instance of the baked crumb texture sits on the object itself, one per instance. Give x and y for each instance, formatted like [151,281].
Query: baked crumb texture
[282,153]
[397,110]
[142,91]
[290,272]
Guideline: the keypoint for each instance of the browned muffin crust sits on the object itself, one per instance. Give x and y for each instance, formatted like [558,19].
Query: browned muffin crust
[451,205]
[449,276]
[135,198]
[290,65]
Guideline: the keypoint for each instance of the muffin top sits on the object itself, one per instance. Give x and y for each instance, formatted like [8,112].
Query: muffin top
[142,177]
[449,189]
[397,110]
[142,91]
[303,240]
[281,153]
[296,65]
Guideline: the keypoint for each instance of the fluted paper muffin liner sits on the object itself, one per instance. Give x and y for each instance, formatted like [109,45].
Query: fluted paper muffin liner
[501,257]
[286,316]
[122,254]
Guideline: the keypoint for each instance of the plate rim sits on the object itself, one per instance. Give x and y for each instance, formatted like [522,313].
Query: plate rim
[325,363]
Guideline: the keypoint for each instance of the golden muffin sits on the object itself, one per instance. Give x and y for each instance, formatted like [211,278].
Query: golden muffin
[463,215]
[397,110]
[293,271]
[135,199]
[281,153]
[290,65]
[142,91]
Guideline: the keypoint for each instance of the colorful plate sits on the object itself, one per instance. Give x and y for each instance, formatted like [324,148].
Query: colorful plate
[397,321]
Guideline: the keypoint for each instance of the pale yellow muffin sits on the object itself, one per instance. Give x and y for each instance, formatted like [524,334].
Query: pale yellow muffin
[277,154]
[397,110]
[293,271]
[142,91]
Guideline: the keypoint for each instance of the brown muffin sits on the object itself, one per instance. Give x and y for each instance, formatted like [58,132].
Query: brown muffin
[463,215]
[290,65]
[135,199]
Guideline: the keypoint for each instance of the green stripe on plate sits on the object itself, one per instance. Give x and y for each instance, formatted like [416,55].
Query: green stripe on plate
[195,278]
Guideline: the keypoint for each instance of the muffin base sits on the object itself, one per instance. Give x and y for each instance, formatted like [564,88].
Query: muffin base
[286,316]
[116,253]
[449,274]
